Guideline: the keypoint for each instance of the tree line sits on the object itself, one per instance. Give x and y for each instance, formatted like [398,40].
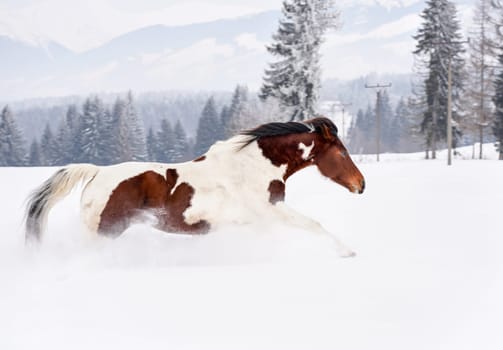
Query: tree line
[396,128]
[96,134]
[100,134]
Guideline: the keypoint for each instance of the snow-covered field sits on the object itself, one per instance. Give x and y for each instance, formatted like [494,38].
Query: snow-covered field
[428,274]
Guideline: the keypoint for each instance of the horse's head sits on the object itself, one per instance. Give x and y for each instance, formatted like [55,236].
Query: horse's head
[301,144]
[332,158]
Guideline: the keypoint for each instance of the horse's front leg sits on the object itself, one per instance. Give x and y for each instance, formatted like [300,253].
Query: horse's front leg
[290,216]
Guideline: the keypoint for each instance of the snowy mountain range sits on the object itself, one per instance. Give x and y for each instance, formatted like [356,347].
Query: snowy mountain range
[374,37]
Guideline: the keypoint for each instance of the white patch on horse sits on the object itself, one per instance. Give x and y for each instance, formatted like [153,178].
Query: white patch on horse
[306,150]
[224,191]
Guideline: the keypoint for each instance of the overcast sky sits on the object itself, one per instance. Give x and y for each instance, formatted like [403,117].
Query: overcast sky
[84,24]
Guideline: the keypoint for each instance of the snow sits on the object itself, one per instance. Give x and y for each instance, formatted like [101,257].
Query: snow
[427,274]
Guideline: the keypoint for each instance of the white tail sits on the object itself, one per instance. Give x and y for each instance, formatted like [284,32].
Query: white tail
[49,193]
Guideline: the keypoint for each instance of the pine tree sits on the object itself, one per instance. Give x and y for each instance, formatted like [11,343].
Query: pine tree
[12,144]
[136,130]
[438,42]
[106,138]
[224,120]
[120,147]
[35,157]
[208,129]
[402,125]
[49,147]
[388,133]
[362,132]
[165,142]
[151,145]
[235,117]
[89,141]
[481,72]
[497,125]
[181,145]
[63,140]
[295,78]
[67,136]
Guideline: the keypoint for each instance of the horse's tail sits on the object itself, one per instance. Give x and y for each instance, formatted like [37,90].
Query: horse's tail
[49,193]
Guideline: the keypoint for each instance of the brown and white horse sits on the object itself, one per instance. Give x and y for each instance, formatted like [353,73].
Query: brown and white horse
[237,181]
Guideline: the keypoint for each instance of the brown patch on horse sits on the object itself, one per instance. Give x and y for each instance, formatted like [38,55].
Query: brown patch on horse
[200,159]
[276,191]
[150,191]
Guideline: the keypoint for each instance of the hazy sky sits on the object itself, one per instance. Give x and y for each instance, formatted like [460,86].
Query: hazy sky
[84,24]
[81,25]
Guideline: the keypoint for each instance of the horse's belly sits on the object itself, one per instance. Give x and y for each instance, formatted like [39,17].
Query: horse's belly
[223,206]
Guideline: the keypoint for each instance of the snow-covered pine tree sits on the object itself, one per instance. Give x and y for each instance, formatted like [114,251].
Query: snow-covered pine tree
[401,123]
[151,145]
[12,144]
[106,137]
[120,148]
[49,147]
[224,120]
[438,41]
[480,87]
[294,79]
[35,157]
[136,130]
[67,134]
[181,145]
[207,129]
[165,142]
[388,133]
[62,138]
[497,125]
[89,141]
[362,133]
[236,118]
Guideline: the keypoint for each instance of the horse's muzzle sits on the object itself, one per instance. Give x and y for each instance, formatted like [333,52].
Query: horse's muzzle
[357,188]
[362,186]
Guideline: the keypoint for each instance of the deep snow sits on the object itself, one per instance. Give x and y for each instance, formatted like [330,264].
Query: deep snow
[428,274]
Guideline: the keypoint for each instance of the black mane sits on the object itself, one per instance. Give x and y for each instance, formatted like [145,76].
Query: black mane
[280,129]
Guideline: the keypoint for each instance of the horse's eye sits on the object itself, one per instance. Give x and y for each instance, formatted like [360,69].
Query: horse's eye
[344,154]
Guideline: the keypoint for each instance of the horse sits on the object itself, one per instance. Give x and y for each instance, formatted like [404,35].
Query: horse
[238,180]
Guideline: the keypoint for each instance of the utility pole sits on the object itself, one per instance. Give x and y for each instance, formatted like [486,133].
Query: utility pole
[379,88]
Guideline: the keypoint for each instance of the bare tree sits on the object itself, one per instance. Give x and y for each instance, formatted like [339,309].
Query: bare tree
[480,69]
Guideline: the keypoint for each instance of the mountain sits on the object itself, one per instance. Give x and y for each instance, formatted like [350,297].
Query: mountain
[374,37]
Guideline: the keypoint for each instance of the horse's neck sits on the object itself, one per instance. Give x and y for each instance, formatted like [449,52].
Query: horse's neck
[294,151]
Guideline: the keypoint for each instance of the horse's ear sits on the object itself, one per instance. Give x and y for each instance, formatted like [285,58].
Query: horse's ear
[326,133]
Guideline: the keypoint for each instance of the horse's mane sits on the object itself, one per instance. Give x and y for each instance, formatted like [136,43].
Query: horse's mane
[280,129]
